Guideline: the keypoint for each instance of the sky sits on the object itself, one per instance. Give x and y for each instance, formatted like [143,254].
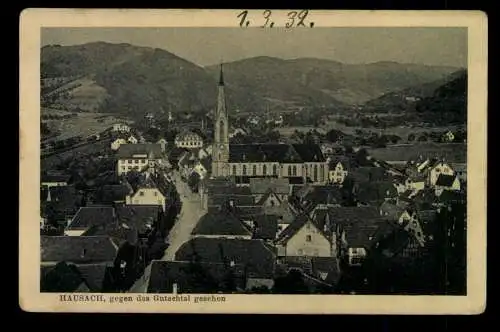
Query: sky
[208,46]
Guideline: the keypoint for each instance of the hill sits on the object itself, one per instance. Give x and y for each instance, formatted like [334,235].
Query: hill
[131,80]
[324,81]
[121,78]
[405,100]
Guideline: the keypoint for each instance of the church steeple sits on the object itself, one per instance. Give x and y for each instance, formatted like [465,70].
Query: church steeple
[221,76]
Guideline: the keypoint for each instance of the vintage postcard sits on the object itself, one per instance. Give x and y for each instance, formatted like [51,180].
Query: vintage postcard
[260,161]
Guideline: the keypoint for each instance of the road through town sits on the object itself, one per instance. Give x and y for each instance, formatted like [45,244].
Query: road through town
[188,217]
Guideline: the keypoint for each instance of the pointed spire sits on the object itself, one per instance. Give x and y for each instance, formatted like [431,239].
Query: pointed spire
[221,76]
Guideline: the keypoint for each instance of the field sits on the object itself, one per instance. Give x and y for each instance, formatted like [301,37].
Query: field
[452,152]
[84,124]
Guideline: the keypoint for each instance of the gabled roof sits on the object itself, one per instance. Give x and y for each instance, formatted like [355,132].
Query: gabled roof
[220,223]
[127,151]
[343,160]
[257,258]
[309,152]
[347,215]
[263,199]
[262,185]
[192,278]
[77,249]
[321,195]
[284,212]
[445,180]
[265,227]
[269,152]
[299,222]
[89,216]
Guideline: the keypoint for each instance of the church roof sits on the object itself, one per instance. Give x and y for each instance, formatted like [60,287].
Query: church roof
[275,152]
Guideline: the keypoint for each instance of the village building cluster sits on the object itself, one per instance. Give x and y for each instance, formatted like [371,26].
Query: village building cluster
[267,211]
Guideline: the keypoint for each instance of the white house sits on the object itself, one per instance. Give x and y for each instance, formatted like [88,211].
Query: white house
[132,140]
[138,157]
[151,190]
[439,168]
[447,182]
[115,145]
[121,127]
[188,140]
[338,173]
[304,238]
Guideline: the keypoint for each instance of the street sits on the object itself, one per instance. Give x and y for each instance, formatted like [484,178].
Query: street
[188,217]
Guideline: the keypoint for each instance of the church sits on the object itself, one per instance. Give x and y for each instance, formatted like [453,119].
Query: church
[299,163]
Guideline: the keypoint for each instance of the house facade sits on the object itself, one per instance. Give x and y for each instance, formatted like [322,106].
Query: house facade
[338,174]
[115,145]
[121,127]
[132,140]
[440,168]
[137,157]
[188,140]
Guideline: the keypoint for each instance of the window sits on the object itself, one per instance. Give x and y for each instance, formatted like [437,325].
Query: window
[254,171]
[141,193]
[264,170]
[308,238]
[130,161]
[123,168]
[294,170]
[289,170]
[234,169]
[315,173]
[136,161]
[156,193]
[244,169]
[275,170]
[84,251]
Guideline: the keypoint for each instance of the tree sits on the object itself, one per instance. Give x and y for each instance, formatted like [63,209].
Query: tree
[411,137]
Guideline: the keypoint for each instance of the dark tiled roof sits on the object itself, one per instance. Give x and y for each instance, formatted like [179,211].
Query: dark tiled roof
[129,150]
[111,193]
[77,249]
[262,185]
[321,195]
[257,258]
[220,223]
[266,196]
[265,226]
[369,192]
[368,174]
[309,152]
[445,180]
[61,277]
[284,213]
[353,215]
[362,234]
[335,159]
[175,153]
[391,211]
[448,196]
[139,217]
[87,217]
[189,277]
[262,153]
[94,275]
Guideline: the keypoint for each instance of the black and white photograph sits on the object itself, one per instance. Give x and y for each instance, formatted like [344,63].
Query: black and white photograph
[254,160]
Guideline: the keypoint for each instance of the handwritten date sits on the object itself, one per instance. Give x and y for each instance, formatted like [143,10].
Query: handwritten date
[294,19]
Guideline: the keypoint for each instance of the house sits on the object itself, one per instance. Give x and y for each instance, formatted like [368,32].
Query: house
[89,217]
[120,127]
[149,189]
[338,169]
[415,182]
[138,157]
[115,145]
[81,278]
[188,140]
[60,204]
[446,182]
[353,230]
[184,277]
[394,212]
[54,179]
[77,250]
[321,197]
[255,256]
[304,238]
[221,224]
[448,136]
[132,139]
[260,187]
[284,212]
[87,263]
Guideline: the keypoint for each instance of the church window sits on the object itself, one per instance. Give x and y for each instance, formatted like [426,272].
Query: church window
[221,131]
[294,170]
[244,169]
[234,169]
[264,170]
[254,170]
[275,170]
[289,170]
[315,173]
